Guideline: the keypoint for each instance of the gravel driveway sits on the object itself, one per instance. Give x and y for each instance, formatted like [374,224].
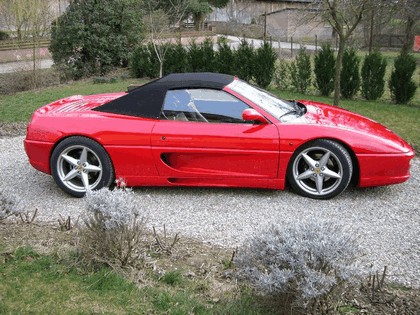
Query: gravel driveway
[386,218]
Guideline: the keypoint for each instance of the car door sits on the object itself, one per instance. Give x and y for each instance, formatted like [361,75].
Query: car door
[201,134]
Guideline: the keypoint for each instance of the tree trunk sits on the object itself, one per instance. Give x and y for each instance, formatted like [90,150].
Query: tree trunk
[338,66]
[408,40]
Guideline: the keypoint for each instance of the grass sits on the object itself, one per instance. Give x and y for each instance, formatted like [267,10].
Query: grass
[43,284]
[20,106]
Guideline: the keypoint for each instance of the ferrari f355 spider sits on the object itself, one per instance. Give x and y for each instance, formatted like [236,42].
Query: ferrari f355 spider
[206,129]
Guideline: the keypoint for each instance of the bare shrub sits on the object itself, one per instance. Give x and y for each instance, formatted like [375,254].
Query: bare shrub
[19,81]
[313,262]
[113,230]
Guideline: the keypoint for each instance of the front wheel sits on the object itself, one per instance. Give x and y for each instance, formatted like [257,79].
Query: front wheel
[321,169]
[79,164]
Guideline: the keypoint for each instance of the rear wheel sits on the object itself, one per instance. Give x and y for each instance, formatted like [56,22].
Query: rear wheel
[79,164]
[321,169]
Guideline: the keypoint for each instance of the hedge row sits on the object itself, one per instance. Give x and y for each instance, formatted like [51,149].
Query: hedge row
[246,62]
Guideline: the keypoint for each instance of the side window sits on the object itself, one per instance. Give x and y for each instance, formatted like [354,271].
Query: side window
[203,105]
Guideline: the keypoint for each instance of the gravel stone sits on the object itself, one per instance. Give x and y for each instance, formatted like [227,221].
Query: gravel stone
[386,219]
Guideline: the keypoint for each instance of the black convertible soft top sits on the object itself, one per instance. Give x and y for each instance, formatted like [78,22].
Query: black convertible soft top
[147,100]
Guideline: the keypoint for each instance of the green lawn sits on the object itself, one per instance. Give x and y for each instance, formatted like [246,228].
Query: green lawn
[42,284]
[403,119]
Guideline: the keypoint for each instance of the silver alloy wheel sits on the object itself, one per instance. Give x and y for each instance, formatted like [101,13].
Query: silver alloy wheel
[317,171]
[79,168]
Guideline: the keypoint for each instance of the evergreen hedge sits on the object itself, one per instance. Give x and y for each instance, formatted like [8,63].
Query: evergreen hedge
[373,72]
[324,70]
[264,68]
[401,83]
[350,75]
[300,71]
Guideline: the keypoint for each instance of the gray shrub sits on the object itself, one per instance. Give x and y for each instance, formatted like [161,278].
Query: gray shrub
[113,229]
[10,203]
[312,261]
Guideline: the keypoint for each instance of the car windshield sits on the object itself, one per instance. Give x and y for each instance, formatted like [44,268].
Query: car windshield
[270,103]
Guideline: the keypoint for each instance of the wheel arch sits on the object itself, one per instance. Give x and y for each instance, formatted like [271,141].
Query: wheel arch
[356,168]
[82,136]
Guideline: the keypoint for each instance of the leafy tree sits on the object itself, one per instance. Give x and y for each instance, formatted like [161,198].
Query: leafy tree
[91,37]
[401,83]
[373,72]
[200,8]
[324,70]
[266,58]
[350,75]
[300,71]
[244,62]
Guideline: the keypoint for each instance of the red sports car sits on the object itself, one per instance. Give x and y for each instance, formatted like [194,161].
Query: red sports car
[206,129]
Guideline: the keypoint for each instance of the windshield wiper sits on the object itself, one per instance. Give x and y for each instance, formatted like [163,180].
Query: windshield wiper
[293,111]
[296,110]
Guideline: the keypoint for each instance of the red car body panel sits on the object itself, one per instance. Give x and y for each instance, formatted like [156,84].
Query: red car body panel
[146,151]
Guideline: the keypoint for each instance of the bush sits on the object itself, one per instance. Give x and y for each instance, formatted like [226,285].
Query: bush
[92,37]
[113,229]
[23,80]
[350,76]
[373,72]
[4,35]
[9,203]
[311,261]
[282,75]
[175,59]
[300,71]
[201,57]
[401,84]
[266,58]
[144,62]
[244,62]
[325,70]
[224,57]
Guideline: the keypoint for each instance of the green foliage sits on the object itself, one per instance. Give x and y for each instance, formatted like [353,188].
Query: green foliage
[350,76]
[300,71]
[244,62]
[282,75]
[401,84]
[201,57]
[324,70]
[218,3]
[373,72]
[4,35]
[172,278]
[92,37]
[224,57]
[266,57]
[175,59]
[144,63]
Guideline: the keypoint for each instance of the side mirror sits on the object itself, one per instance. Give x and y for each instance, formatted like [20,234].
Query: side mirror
[251,114]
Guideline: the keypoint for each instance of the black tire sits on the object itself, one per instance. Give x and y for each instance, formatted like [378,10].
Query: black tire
[79,164]
[321,169]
